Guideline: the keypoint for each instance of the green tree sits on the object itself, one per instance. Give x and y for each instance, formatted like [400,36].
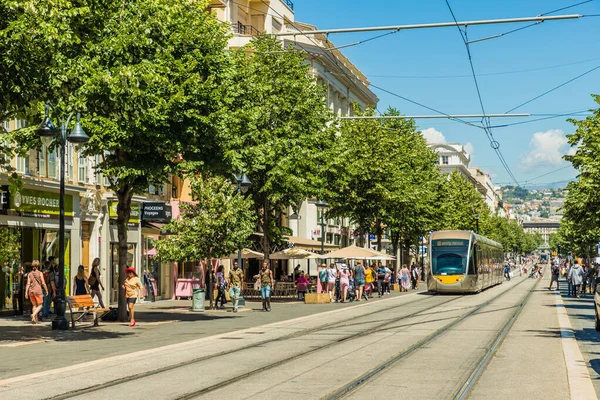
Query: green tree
[150,79]
[218,224]
[277,132]
[464,208]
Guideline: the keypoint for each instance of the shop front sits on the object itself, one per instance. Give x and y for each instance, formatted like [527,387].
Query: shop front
[29,231]
[157,276]
[133,246]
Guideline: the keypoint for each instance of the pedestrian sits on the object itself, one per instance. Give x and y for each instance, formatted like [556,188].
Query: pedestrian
[221,286]
[387,280]
[266,284]
[331,277]
[576,275]
[236,281]
[359,280]
[35,290]
[51,293]
[415,277]
[405,278]
[555,273]
[591,276]
[80,282]
[369,280]
[584,282]
[131,286]
[95,283]
[323,278]
[507,271]
[302,285]
[569,283]
[344,282]
[380,280]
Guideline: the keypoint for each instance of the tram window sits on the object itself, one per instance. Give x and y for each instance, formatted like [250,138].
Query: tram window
[449,256]
[473,261]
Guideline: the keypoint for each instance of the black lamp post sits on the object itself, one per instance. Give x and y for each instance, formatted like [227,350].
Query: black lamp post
[321,206]
[48,131]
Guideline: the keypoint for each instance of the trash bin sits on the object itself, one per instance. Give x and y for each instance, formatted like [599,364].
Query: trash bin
[198,300]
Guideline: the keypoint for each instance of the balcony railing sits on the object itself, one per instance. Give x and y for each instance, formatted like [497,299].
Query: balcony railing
[289,4]
[245,29]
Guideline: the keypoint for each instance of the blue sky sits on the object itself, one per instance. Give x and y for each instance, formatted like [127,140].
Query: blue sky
[431,66]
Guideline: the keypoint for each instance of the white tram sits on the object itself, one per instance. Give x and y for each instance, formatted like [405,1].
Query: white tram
[463,262]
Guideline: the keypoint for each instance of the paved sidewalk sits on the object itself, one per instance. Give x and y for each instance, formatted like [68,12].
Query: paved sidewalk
[28,348]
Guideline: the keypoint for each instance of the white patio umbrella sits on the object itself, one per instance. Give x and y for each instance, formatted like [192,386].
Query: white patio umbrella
[355,253]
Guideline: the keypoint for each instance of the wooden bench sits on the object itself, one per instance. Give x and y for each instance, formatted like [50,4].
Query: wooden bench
[86,303]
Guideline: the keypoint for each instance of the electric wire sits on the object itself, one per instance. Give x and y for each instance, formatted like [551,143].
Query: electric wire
[363,41]
[485,74]
[485,121]
[564,8]
[555,88]
[539,119]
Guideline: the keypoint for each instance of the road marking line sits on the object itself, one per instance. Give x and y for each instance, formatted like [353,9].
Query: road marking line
[147,352]
[578,375]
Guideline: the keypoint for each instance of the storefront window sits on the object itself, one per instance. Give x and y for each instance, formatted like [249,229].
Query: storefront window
[10,261]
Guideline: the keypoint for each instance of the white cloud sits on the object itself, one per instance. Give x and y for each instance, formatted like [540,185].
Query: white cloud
[546,149]
[469,148]
[432,135]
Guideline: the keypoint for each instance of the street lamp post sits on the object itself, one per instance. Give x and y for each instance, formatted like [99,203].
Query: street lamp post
[47,131]
[243,184]
[321,206]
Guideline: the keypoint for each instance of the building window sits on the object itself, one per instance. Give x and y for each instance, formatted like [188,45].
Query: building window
[20,123]
[52,164]
[82,168]
[444,160]
[23,164]
[6,126]
[42,161]
[97,174]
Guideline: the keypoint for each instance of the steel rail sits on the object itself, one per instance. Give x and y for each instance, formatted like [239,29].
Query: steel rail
[350,387]
[465,389]
[141,375]
[282,361]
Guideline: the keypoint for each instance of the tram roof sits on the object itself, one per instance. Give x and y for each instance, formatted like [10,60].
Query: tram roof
[456,234]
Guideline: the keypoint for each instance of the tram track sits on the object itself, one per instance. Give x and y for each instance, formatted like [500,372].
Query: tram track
[320,328]
[467,385]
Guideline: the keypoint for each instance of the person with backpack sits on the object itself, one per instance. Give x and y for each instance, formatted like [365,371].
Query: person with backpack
[554,277]
[380,280]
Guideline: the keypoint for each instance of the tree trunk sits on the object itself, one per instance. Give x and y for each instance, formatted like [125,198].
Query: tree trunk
[266,239]
[379,233]
[395,240]
[124,195]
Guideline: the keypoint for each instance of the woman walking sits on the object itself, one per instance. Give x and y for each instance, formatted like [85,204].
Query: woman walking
[80,284]
[359,280]
[404,278]
[95,283]
[344,282]
[221,287]
[302,284]
[331,275]
[132,285]
[369,280]
[35,289]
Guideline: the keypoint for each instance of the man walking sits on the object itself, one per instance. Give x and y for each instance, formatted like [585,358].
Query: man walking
[507,271]
[266,284]
[554,277]
[576,276]
[380,280]
[236,281]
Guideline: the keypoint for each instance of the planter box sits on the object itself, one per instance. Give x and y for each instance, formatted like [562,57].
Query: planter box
[396,287]
[316,298]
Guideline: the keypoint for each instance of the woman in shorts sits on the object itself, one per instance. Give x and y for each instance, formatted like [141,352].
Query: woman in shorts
[344,282]
[132,285]
[35,290]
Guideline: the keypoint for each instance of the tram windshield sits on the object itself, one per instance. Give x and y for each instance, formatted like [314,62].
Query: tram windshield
[449,256]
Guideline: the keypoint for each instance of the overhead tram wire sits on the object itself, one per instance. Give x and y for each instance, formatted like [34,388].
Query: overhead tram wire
[555,88]
[538,119]
[485,121]
[527,26]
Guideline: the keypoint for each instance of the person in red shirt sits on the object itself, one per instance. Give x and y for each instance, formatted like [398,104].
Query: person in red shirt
[302,286]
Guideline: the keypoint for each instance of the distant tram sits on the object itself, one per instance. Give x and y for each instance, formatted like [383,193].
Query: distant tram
[463,262]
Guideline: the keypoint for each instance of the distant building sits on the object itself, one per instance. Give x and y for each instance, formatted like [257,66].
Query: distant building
[544,227]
